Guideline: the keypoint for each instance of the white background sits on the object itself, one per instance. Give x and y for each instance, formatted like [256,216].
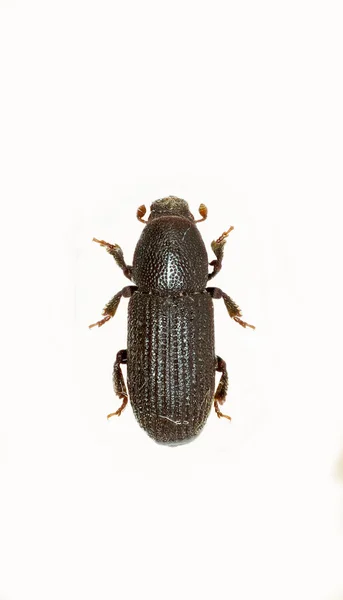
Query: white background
[106,106]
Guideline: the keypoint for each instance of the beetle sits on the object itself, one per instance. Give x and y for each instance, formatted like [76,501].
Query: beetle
[170,355]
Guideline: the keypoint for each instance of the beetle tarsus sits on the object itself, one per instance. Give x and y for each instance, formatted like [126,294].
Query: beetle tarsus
[243,323]
[219,413]
[118,412]
[100,323]
[224,235]
[107,245]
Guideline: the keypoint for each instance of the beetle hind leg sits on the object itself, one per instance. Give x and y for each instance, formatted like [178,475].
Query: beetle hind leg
[119,383]
[221,391]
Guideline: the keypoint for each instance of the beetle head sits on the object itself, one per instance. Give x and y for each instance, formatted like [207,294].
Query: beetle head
[170,206]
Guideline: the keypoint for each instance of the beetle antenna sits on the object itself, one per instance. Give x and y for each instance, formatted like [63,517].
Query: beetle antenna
[140,213]
[203,212]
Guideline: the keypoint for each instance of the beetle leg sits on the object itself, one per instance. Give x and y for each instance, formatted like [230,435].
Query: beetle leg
[221,391]
[117,253]
[111,307]
[232,308]
[218,249]
[119,383]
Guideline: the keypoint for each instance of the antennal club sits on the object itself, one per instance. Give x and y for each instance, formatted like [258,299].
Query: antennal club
[140,213]
[203,213]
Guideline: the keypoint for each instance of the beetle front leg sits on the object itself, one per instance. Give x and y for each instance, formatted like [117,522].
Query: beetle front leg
[232,308]
[117,253]
[221,391]
[119,383]
[218,249]
[111,307]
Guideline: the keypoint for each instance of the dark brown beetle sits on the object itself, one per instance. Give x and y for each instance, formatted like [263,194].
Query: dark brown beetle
[170,356]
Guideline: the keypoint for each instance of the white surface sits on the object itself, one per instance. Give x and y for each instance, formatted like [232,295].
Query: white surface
[106,106]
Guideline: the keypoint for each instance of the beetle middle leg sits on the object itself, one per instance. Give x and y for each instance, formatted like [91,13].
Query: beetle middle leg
[117,253]
[111,307]
[232,308]
[218,249]
[119,383]
[221,391]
